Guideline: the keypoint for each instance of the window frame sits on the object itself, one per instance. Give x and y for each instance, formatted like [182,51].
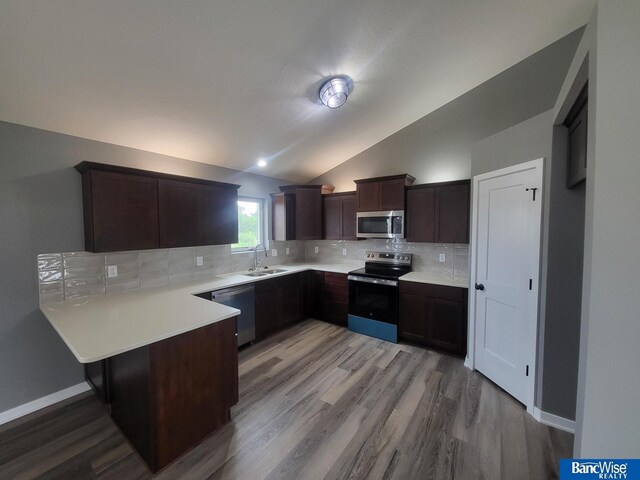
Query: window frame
[261,220]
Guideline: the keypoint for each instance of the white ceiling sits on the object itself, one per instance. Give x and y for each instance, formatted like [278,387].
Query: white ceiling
[226,82]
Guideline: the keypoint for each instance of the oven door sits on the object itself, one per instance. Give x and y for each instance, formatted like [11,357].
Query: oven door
[373,298]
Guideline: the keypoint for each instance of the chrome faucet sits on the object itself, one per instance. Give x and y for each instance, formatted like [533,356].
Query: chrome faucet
[256,262]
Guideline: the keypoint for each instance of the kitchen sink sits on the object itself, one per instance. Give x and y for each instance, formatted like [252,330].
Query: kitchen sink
[264,273]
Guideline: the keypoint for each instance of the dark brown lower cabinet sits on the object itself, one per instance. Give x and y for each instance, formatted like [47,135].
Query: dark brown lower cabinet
[314,297]
[336,298]
[280,302]
[434,316]
[168,396]
[97,376]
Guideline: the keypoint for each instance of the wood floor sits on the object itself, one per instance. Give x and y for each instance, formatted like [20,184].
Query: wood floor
[316,401]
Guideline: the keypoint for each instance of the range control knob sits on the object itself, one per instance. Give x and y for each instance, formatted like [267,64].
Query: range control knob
[397,257]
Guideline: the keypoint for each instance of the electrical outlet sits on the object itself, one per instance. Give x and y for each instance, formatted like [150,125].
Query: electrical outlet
[287,250]
[199,261]
[112,271]
[317,249]
[344,251]
[442,258]
[274,252]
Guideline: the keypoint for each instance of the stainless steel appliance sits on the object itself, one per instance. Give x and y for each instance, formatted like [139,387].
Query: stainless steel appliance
[373,294]
[387,224]
[242,298]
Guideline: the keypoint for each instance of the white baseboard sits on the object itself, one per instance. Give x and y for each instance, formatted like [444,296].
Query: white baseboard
[555,421]
[42,402]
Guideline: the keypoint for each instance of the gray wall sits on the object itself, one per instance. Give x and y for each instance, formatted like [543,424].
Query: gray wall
[561,259]
[438,146]
[608,417]
[41,211]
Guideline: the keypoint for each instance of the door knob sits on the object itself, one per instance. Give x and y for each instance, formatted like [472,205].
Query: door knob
[479,286]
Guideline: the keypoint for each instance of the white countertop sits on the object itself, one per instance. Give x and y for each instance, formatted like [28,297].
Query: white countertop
[426,277]
[101,326]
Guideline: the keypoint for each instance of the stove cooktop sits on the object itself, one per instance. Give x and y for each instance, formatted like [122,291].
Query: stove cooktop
[385,265]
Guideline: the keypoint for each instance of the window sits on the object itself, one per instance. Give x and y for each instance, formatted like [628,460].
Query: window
[249,223]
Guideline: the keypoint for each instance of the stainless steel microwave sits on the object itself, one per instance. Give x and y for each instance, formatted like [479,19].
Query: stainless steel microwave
[389,224]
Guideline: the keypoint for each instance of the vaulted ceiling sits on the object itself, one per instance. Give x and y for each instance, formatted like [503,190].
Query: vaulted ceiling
[227,82]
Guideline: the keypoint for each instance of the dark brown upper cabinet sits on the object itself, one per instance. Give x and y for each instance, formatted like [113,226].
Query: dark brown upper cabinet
[194,214]
[576,124]
[438,212]
[382,193]
[297,213]
[340,216]
[130,209]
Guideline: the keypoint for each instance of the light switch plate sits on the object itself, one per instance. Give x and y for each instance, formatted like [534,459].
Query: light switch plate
[112,271]
[344,251]
[317,249]
[199,261]
[287,250]
[274,252]
[442,258]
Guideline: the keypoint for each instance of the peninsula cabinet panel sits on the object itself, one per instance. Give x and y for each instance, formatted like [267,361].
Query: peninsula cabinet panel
[434,316]
[169,396]
[193,214]
[120,211]
[340,216]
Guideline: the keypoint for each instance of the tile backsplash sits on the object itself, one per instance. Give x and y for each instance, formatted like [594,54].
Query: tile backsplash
[69,275]
[426,256]
[72,275]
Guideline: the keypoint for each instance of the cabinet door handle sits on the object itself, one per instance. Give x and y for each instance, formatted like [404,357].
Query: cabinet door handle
[479,286]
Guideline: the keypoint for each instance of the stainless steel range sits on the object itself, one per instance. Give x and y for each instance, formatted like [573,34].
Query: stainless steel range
[373,294]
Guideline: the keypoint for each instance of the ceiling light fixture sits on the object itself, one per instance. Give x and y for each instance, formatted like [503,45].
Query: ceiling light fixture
[262,162]
[334,92]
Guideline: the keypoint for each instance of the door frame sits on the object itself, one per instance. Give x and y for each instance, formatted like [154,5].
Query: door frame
[536,252]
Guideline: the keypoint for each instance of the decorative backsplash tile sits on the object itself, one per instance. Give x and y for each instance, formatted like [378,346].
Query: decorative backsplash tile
[426,256]
[63,276]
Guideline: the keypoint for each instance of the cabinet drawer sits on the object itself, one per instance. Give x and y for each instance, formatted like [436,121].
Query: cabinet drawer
[330,277]
[336,292]
[434,291]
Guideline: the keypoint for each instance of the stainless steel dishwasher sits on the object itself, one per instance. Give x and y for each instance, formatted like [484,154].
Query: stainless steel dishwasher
[242,298]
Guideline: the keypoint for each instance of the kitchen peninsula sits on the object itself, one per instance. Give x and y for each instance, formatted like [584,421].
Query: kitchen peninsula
[164,362]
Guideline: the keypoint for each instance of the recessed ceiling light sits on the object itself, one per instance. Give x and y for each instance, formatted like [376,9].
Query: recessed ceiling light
[262,162]
[334,92]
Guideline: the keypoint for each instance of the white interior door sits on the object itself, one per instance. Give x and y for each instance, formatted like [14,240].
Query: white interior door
[507,252]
